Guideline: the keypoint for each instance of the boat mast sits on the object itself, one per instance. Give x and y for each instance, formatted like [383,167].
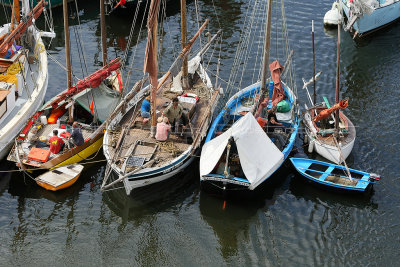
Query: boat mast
[185,82]
[67,55]
[150,64]
[67,45]
[313,57]
[337,83]
[103,32]
[15,15]
[267,42]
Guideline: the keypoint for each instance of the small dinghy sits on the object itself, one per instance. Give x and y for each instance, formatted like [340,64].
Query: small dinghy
[60,178]
[335,176]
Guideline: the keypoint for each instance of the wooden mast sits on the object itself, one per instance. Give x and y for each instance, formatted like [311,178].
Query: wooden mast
[267,42]
[67,55]
[185,82]
[337,84]
[15,15]
[150,65]
[313,56]
[103,32]
[67,45]
[154,86]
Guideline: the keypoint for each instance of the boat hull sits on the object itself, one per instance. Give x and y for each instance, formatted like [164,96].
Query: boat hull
[325,149]
[323,174]
[379,18]
[235,182]
[12,128]
[331,153]
[64,178]
[162,174]
[53,188]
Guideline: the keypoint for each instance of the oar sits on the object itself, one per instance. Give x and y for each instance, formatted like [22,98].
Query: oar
[342,158]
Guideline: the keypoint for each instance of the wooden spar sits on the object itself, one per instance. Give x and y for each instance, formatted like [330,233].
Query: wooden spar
[67,45]
[267,42]
[183,53]
[153,79]
[185,81]
[342,158]
[103,32]
[22,26]
[197,139]
[337,84]
[67,55]
[313,56]
[15,15]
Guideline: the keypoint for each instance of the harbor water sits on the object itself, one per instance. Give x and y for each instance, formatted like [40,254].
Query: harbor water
[288,223]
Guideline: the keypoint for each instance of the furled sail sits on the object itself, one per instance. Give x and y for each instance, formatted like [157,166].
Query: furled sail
[278,94]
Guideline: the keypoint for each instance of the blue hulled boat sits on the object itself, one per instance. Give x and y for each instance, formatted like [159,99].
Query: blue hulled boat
[255,132]
[245,154]
[334,176]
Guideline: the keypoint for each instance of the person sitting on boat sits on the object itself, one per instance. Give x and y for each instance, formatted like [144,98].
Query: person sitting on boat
[34,139]
[76,137]
[272,120]
[162,129]
[175,114]
[32,135]
[145,109]
[56,143]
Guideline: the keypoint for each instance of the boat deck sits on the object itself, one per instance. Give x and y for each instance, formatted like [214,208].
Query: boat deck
[132,139]
[344,140]
[45,131]
[166,150]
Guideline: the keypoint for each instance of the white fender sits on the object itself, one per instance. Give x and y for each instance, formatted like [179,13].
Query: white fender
[333,16]
[311,146]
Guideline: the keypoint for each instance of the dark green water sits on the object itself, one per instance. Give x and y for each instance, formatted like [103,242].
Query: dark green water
[289,223]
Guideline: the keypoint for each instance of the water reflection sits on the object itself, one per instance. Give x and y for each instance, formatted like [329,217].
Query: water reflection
[156,198]
[232,215]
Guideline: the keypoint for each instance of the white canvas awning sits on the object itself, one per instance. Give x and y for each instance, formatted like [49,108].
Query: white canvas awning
[259,157]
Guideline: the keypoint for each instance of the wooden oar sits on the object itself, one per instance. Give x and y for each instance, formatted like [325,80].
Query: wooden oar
[342,158]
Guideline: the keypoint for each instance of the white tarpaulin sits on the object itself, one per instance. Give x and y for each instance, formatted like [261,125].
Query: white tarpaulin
[259,157]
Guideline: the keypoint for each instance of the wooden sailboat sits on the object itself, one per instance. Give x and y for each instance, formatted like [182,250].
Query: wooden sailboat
[241,152]
[88,102]
[130,148]
[330,136]
[333,176]
[23,73]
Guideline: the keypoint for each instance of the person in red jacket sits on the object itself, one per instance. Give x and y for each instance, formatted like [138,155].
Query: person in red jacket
[56,143]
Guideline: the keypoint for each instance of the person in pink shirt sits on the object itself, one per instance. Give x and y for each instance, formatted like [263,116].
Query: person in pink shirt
[162,129]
